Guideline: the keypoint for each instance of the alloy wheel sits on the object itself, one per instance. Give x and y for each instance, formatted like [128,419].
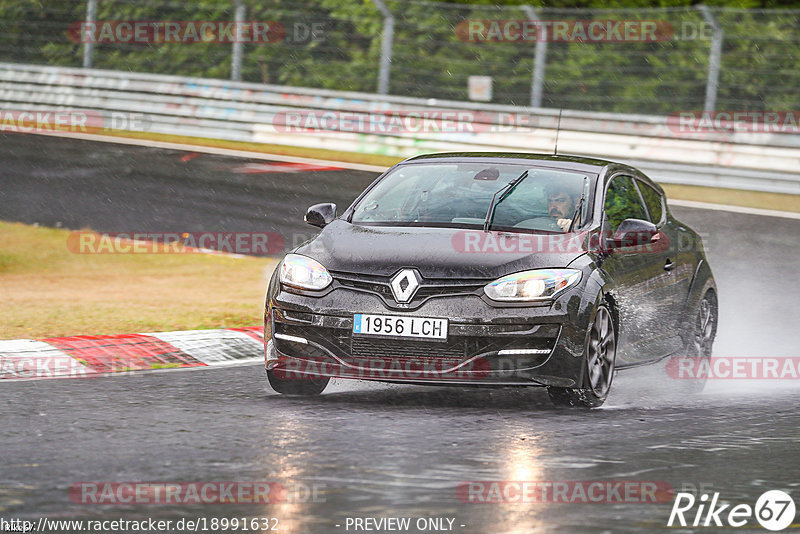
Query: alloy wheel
[602,353]
[705,324]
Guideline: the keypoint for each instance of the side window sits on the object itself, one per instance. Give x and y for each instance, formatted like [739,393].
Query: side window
[622,202]
[652,199]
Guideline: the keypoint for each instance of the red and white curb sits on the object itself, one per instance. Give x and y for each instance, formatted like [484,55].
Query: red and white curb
[89,356]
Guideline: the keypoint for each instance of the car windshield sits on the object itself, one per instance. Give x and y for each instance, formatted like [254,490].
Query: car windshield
[460,194]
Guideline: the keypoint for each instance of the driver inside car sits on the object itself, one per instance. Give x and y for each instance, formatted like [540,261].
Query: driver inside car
[561,205]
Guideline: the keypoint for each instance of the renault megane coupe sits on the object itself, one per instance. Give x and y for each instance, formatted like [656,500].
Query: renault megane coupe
[495,269]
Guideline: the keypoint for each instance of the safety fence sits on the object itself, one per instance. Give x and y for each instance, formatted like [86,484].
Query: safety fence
[696,149]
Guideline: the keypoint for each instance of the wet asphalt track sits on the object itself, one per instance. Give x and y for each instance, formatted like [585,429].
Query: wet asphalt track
[377,450]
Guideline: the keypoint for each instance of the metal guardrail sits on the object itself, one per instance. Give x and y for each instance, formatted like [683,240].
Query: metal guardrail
[220,109]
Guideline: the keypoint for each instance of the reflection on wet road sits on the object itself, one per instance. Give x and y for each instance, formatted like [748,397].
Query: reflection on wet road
[381,450]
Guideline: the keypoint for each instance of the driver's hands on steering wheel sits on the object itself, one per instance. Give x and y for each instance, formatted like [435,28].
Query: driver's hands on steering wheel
[564,223]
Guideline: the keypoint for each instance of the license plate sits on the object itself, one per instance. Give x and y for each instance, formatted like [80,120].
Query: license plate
[400,326]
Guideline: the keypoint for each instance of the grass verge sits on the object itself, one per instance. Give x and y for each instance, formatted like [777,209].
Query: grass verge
[734,197]
[48,291]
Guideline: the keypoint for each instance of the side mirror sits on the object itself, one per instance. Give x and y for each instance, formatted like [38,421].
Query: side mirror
[632,233]
[321,214]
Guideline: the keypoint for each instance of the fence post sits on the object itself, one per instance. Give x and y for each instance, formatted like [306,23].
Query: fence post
[386,46]
[539,59]
[88,35]
[714,58]
[238,44]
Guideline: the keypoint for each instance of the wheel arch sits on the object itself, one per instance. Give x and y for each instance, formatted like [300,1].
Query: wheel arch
[602,292]
[702,282]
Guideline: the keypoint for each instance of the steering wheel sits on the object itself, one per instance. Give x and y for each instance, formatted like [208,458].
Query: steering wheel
[540,223]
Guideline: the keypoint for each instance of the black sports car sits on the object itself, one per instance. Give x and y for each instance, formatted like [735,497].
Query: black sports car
[495,269]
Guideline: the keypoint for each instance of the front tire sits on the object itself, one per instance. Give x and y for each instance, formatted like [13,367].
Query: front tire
[601,355]
[297,386]
[284,385]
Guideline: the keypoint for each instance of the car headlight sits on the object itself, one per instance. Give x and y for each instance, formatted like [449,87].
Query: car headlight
[540,284]
[304,273]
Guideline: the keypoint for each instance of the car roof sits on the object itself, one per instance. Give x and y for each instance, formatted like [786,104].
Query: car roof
[581,163]
[564,161]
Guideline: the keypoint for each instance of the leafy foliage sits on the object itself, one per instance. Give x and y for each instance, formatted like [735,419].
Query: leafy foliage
[336,44]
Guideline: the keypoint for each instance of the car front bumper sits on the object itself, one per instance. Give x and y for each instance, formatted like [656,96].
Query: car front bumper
[541,344]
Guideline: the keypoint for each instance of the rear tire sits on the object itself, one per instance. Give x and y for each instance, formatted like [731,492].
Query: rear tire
[704,330]
[297,386]
[601,355]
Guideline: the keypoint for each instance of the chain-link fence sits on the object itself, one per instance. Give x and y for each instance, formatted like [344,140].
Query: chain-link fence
[651,61]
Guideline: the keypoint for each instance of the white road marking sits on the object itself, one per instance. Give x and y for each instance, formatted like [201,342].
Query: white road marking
[364,167]
[214,150]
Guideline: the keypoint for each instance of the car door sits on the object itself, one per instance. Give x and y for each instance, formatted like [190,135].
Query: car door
[637,274]
[666,280]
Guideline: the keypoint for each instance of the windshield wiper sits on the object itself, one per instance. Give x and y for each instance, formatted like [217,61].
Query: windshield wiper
[579,207]
[503,192]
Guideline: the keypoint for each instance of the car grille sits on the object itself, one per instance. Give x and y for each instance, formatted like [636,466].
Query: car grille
[390,348]
[373,287]
[440,291]
[429,288]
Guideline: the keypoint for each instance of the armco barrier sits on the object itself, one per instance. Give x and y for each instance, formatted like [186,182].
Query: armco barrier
[247,112]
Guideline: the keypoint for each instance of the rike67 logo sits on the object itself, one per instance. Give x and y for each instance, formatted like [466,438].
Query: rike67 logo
[774,510]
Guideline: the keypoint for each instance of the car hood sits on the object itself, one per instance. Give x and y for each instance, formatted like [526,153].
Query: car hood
[437,252]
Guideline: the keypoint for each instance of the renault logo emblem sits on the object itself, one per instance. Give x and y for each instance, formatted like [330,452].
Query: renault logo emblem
[405,285]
